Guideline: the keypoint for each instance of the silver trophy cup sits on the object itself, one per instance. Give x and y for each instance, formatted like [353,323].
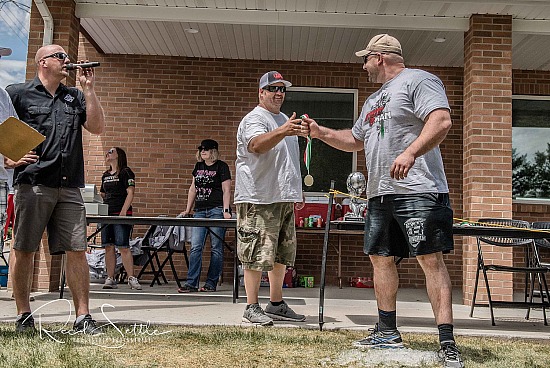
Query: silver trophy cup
[356,184]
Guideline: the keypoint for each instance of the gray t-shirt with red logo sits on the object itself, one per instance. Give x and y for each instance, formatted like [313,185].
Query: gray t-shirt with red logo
[391,119]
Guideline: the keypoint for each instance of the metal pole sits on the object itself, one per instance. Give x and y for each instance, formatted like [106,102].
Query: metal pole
[324,260]
[235,273]
[63,277]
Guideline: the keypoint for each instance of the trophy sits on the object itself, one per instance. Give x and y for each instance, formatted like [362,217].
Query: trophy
[356,184]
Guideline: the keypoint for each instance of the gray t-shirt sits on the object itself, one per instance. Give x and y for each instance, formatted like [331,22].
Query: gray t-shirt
[6,110]
[391,119]
[270,177]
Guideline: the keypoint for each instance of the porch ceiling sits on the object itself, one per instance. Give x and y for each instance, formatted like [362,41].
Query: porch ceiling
[308,30]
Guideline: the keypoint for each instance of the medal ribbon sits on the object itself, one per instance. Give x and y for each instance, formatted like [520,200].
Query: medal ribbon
[307,151]
[307,154]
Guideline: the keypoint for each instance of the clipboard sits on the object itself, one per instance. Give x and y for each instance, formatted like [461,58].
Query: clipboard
[18,138]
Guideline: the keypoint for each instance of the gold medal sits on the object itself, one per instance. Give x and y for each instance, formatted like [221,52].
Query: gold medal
[308,180]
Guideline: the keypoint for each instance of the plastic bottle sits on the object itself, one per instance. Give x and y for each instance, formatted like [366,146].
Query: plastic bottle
[337,211]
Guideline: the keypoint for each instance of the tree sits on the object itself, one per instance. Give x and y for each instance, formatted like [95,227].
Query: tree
[531,179]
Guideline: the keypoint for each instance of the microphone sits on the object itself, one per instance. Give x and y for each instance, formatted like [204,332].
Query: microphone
[91,64]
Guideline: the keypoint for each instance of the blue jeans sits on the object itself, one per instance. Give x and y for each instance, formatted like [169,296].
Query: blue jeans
[198,242]
[117,234]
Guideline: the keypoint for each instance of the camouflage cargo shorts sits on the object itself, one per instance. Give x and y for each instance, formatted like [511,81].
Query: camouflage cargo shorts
[265,235]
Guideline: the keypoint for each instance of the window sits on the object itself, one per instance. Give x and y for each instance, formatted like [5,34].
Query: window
[531,147]
[333,108]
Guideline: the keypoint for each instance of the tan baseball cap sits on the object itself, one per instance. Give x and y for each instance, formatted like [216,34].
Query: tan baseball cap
[381,43]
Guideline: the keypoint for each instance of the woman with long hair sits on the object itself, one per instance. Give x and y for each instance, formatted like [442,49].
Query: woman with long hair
[118,185]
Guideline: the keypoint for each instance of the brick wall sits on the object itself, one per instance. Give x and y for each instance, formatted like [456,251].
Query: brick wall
[159,108]
[487,138]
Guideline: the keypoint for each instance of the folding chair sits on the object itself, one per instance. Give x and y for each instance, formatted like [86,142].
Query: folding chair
[542,245]
[532,269]
[176,239]
[151,257]
[120,272]
[157,240]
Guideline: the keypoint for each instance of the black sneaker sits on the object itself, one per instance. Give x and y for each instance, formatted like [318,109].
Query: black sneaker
[450,355]
[25,323]
[283,312]
[87,326]
[380,340]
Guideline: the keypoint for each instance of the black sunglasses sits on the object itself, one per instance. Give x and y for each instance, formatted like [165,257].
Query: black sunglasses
[204,149]
[57,55]
[281,89]
[366,57]
[111,150]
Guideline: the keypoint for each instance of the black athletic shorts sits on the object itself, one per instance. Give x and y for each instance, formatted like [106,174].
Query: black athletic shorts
[409,225]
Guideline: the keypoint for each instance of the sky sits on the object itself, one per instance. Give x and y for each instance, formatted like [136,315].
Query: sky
[14,30]
[528,141]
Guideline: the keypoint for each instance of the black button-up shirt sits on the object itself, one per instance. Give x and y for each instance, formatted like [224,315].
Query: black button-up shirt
[60,119]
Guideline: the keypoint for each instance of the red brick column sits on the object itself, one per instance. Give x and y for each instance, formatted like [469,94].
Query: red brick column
[66,33]
[487,139]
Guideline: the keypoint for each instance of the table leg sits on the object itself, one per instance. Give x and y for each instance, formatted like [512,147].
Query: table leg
[235,263]
[339,262]
[235,276]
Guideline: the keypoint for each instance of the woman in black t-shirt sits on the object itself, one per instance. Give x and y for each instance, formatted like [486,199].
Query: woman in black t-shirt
[117,189]
[210,193]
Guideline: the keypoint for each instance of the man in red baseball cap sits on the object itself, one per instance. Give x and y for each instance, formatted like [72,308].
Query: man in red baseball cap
[267,184]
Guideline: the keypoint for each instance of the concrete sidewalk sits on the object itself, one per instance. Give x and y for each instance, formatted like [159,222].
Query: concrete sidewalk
[347,308]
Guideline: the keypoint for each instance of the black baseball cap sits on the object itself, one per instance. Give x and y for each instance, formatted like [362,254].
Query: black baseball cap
[208,144]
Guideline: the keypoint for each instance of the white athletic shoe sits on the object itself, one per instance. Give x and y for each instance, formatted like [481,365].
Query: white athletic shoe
[133,283]
[110,283]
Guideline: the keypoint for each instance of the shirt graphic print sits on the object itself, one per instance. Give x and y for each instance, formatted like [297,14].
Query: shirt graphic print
[378,115]
[115,187]
[203,184]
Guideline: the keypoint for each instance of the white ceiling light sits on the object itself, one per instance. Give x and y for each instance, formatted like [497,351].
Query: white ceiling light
[439,39]
[191,30]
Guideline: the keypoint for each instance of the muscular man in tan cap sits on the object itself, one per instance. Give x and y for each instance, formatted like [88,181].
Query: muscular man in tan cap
[409,213]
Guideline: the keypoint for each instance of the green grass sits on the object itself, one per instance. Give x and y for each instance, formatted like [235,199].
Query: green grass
[180,346]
